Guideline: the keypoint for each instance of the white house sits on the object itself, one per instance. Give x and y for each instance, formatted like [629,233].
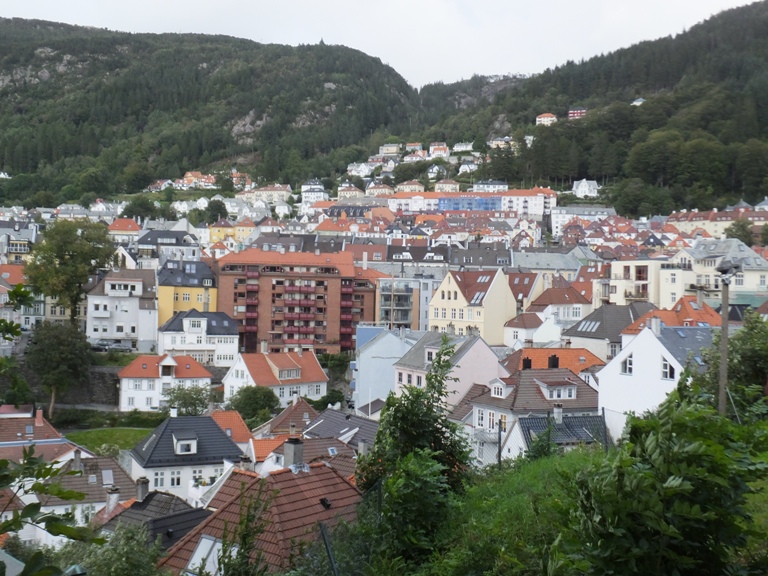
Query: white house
[143,381]
[123,307]
[208,337]
[585,188]
[287,374]
[640,376]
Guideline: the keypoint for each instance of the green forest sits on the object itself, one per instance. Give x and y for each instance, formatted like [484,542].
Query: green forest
[87,111]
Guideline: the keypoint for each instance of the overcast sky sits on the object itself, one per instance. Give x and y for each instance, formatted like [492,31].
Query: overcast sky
[425,41]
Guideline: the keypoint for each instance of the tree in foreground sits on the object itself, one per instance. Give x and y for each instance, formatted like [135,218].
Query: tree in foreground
[190,400]
[671,500]
[418,419]
[60,355]
[70,252]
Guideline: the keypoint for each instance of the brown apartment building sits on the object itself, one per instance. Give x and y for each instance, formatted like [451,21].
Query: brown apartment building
[286,301]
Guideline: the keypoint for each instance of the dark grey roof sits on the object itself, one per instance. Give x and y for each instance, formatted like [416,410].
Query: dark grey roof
[219,323]
[185,273]
[481,254]
[687,343]
[332,423]
[171,528]
[417,253]
[167,238]
[608,321]
[213,445]
[416,357]
[154,505]
[571,431]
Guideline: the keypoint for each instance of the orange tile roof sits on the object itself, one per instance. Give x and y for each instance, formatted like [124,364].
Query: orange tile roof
[685,312]
[13,274]
[232,421]
[344,261]
[263,447]
[369,274]
[293,414]
[124,225]
[147,366]
[574,359]
[263,367]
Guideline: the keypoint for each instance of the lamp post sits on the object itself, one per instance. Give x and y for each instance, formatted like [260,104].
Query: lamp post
[726,269]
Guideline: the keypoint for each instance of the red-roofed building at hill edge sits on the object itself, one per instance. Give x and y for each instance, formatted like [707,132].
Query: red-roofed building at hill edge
[144,380]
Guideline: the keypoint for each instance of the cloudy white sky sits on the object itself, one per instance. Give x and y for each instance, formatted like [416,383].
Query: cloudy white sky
[425,41]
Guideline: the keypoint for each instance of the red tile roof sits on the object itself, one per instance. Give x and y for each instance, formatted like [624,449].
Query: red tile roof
[685,312]
[124,225]
[264,368]
[574,359]
[232,421]
[149,367]
[13,274]
[300,413]
[292,516]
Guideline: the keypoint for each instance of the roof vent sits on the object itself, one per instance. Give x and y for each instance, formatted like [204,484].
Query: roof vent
[326,503]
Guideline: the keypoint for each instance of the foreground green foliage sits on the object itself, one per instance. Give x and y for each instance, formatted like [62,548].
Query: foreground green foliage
[123,438]
[256,404]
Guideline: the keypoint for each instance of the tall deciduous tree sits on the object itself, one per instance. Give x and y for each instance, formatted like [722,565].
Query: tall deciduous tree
[190,400]
[63,261]
[256,404]
[60,355]
[418,419]
[740,229]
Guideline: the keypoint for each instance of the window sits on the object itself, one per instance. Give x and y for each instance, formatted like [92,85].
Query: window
[497,391]
[281,392]
[130,400]
[197,475]
[614,349]
[195,324]
[740,279]
[672,278]
[491,420]
[453,313]
[480,418]
[762,279]
[185,297]
[626,365]
[673,297]
[667,370]
[429,356]
[159,479]
[199,297]
[399,377]
[318,389]
[175,296]
[503,422]
[461,313]
[443,313]
[410,379]
[437,313]
[418,381]
[175,478]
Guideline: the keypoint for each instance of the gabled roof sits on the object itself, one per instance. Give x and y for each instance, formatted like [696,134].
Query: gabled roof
[213,445]
[686,312]
[320,449]
[15,428]
[264,369]
[572,431]
[416,357]
[300,413]
[299,501]
[349,428]
[525,321]
[97,474]
[474,285]
[124,225]
[574,359]
[607,322]
[687,343]
[147,366]
[154,505]
[555,296]
[230,420]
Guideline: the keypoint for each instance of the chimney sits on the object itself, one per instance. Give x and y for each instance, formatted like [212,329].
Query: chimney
[558,413]
[526,363]
[174,412]
[300,351]
[293,452]
[656,325]
[113,496]
[245,463]
[365,260]
[553,361]
[362,448]
[317,251]
[292,429]
[39,417]
[264,346]
[568,343]
[142,488]
[76,466]
[451,330]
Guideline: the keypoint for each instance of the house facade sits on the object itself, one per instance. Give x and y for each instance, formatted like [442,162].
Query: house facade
[144,381]
[208,337]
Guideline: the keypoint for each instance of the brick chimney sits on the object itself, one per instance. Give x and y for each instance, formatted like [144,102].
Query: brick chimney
[39,417]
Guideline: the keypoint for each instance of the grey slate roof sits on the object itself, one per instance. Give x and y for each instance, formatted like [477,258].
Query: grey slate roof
[572,431]
[608,321]
[219,323]
[731,249]
[171,528]
[185,273]
[332,423]
[415,358]
[155,505]
[686,343]
[545,261]
[169,238]
[213,445]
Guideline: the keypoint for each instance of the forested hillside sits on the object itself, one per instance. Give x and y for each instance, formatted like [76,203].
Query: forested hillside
[87,111]
[100,111]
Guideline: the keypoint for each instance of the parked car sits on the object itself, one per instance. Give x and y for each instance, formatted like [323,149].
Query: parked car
[124,348]
[101,345]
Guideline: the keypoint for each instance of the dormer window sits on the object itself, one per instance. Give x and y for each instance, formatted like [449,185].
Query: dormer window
[288,374]
[185,442]
[497,391]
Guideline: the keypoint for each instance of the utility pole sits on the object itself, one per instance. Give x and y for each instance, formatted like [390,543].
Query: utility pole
[727,270]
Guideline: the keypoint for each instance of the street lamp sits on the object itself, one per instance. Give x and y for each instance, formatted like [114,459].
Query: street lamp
[726,269]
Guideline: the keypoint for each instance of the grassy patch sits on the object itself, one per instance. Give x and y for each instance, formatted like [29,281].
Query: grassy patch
[124,438]
[112,358]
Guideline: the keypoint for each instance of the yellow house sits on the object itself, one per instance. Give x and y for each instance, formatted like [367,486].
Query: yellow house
[477,300]
[243,229]
[220,230]
[184,285]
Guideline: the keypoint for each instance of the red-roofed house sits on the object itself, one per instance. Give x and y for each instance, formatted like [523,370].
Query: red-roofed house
[144,380]
[124,230]
[234,426]
[288,374]
[567,305]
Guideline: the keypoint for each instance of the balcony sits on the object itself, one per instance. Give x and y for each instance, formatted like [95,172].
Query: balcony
[346,343]
[251,328]
[252,287]
[307,341]
[252,274]
[305,316]
[99,313]
[346,304]
[306,302]
[638,295]
[289,289]
[346,329]
[252,301]
[291,329]
[306,329]
[251,314]
[345,316]
[308,289]
[347,289]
